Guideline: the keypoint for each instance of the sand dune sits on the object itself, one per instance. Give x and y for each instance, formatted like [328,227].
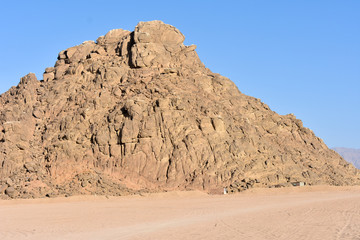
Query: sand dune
[292,213]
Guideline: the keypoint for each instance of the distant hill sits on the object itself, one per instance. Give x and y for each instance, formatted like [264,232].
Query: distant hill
[349,154]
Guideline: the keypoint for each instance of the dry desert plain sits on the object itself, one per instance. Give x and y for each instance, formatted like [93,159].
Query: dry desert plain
[288,213]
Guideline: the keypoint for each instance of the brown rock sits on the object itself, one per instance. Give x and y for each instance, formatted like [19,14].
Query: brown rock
[3,188]
[30,167]
[10,191]
[74,54]
[139,110]
[9,182]
[113,37]
[48,76]
[155,44]
[49,70]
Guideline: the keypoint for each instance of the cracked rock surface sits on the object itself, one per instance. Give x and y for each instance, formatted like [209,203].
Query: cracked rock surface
[138,111]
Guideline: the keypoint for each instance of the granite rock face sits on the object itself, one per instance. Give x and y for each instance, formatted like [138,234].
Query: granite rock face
[138,111]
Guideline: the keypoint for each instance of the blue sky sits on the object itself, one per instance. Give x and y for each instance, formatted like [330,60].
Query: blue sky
[300,57]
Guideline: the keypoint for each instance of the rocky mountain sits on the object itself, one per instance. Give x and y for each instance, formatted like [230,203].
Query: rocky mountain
[138,111]
[349,154]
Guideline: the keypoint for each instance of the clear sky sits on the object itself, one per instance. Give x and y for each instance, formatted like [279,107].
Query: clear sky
[300,57]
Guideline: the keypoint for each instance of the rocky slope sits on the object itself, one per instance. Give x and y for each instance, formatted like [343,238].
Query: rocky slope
[349,154]
[138,111]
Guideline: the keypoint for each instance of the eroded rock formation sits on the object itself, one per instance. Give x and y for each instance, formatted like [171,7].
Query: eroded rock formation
[138,111]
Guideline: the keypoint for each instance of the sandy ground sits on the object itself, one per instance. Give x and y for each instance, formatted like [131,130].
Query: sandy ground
[291,213]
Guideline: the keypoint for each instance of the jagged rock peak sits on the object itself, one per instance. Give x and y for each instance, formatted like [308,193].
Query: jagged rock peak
[152,45]
[138,111]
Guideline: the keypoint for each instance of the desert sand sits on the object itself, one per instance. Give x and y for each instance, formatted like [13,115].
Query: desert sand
[287,213]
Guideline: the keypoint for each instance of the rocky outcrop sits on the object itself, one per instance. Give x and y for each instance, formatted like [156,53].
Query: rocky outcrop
[138,111]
